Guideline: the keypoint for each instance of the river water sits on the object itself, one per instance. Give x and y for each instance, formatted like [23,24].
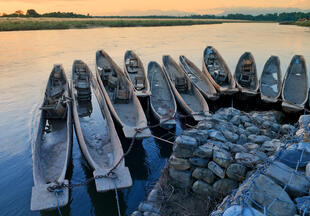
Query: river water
[27,57]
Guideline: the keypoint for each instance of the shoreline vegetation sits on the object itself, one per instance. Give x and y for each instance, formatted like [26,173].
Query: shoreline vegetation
[32,20]
[19,24]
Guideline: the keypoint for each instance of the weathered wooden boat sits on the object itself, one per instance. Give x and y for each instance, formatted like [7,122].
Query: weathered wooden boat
[295,86]
[122,100]
[95,130]
[246,76]
[216,69]
[52,148]
[271,81]
[162,101]
[135,72]
[187,95]
[199,79]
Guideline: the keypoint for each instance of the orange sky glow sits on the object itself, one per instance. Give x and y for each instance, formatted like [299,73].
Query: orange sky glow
[101,7]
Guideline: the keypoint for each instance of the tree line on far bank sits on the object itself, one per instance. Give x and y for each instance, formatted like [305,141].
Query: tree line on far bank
[276,17]
[34,13]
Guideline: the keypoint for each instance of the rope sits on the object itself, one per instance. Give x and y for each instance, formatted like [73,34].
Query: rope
[58,207]
[117,199]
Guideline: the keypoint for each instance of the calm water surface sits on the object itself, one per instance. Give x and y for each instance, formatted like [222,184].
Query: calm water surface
[27,57]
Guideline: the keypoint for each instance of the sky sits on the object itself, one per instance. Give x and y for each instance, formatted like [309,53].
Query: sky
[120,7]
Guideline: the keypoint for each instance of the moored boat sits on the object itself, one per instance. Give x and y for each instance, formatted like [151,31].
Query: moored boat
[135,72]
[95,130]
[246,76]
[199,79]
[120,96]
[295,86]
[187,95]
[216,69]
[271,81]
[52,148]
[162,101]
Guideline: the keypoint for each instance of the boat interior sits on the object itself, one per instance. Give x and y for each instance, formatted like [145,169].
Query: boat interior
[271,78]
[197,77]
[245,74]
[182,84]
[135,70]
[162,98]
[119,90]
[215,67]
[295,86]
[53,147]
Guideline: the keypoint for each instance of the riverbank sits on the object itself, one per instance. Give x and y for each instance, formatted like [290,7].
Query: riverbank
[298,23]
[22,24]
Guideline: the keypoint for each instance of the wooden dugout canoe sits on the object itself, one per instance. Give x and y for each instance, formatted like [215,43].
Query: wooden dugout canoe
[122,100]
[95,130]
[187,95]
[199,79]
[271,80]
[134,70]
[53,145]
[246,76]
[162,101]
[295,86]
[216,69]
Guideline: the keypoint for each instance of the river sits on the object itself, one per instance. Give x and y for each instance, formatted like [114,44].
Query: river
[27,57]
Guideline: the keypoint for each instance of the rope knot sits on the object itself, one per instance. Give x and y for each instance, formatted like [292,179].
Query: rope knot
[56,187]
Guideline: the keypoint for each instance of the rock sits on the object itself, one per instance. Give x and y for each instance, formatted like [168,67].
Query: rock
[271,146]
[182,178]
[251,146]
[152,197]
[244,119]
[217,135]
[235,120]
[252,130]
[265,192]
[180,152]
[303,204]
[200,135]
[218,145]
[197,161]
[222,158]
[247,159]
[267,124]
[224,186]
[205,125]
[179,163]
[291,157]
[259,139]
[187,142]
[216,169]
[250,173]
[148,207]
[308,170]
[232,111]
[202,188]
[150,214]
[304,146]
[136,213]
[276,127]
[204,151]
[257,118]
[304,121]
[230,136]
[204,174]
[235,148]
[242,139]
[236,172]
[237,210]
[298,185]
[248,124]
[287,128]
[218,118]
[259,154]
